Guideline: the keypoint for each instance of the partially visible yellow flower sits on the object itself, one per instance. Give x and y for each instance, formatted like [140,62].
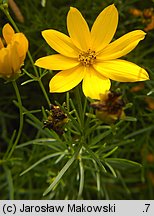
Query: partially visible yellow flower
[13,48]
[89,56]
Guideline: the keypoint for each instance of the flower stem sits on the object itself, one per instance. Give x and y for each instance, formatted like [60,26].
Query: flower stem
[80,107]
[44,92]
[21,118]
[81,186]
[10,182]
[63,170]
[6,12]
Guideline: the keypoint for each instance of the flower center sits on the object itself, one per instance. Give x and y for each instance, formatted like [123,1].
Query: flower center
[87,58]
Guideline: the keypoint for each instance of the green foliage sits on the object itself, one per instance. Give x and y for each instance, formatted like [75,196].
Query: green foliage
[90,160]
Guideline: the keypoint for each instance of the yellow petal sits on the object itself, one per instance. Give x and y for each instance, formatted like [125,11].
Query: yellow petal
[121,70]
[56,62]
[1,44]
[66,80]
[14,58]
[22,48]
[94,84]
[8,33]
[5,69]
[78,29]
[104,28]
[60,42]
[122,46]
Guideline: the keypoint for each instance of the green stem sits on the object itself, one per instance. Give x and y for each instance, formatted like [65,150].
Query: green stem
[94,156]
[21,118]
[79,104]
[10,144]
[44,92]
[63,170]
[81,186]
[6,12]
[10,182]
[80,112]
[32,62]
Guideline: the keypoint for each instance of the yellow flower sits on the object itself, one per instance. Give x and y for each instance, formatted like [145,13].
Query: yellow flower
[13,50]
[89,56]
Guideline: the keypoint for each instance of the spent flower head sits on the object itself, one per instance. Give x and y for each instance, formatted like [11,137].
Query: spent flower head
[56,119]
[110,107]
[90,55]
[13,48]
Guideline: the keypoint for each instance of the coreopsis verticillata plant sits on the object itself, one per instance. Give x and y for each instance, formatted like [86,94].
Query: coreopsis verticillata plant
[89,56]
[13,48]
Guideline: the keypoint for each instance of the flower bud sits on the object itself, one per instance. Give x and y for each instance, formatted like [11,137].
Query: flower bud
[13,49]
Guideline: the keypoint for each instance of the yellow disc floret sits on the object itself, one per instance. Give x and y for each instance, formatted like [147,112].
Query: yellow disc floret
[87,58]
